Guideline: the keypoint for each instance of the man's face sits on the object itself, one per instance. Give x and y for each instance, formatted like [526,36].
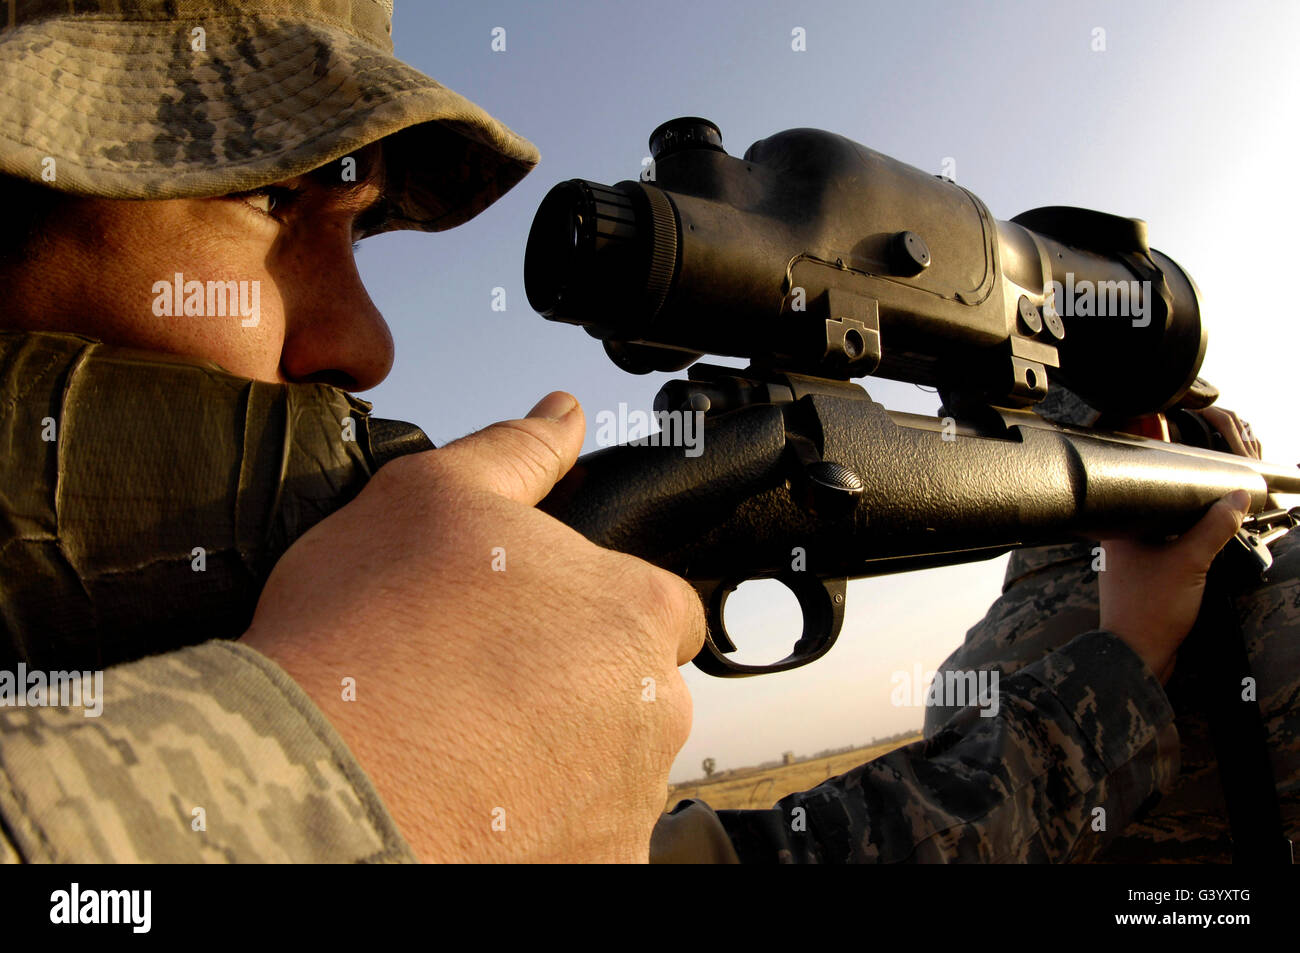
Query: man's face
[103,265]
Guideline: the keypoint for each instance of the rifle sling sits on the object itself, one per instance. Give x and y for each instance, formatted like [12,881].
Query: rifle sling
[1236,725]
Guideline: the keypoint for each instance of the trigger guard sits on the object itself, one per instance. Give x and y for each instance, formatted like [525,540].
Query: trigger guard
[821,603]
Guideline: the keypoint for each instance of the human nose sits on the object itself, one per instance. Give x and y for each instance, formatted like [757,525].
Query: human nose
[334,334]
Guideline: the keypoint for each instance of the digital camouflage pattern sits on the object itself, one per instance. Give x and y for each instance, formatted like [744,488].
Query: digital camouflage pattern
[215,726]
[1051,593]
[129,101]
[1083,728]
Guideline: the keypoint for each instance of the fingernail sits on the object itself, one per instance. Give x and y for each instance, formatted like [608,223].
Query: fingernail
[554,406]
[1239,500]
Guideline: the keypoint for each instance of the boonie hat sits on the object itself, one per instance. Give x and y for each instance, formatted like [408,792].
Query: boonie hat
[163,99]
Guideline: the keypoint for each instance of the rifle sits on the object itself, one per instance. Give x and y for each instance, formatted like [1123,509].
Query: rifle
[151,495]
[819,261]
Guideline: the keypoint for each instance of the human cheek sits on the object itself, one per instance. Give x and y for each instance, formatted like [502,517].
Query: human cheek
[220,312]
[157,277]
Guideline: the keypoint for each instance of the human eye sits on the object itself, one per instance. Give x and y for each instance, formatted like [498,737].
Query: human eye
[270,200]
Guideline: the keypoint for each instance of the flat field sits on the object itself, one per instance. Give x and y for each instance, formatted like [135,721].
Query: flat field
[761,787]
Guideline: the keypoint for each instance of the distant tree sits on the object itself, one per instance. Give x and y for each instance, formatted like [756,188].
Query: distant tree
[709,765]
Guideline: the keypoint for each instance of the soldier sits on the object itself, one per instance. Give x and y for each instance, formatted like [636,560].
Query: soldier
[1051,592]
[229,127]
[139,145]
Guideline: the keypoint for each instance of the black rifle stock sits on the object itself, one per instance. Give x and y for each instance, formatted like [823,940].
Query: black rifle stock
[802,477]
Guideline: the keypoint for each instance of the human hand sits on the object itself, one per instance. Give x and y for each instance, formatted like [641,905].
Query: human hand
[516,696]
[1151,594]
[1238,434]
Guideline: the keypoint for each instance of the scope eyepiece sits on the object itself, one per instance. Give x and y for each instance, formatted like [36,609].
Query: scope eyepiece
[601,255]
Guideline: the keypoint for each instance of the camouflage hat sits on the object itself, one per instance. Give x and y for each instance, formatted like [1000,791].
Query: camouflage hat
[163,99]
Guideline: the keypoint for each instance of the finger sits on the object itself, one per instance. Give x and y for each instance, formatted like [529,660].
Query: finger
[1204,540]
[1252,442]
[694,632]
[1226,423]
[1247,436]
[1243,432]
[521,459]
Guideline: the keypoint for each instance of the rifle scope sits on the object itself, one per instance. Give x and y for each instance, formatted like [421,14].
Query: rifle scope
[816,255]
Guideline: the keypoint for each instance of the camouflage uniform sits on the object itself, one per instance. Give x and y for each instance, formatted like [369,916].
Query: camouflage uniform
[1050,593]
[207,754]
[1021,786]
[94,560]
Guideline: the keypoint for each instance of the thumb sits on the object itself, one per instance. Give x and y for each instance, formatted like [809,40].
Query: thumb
[1216,527]
[521,459]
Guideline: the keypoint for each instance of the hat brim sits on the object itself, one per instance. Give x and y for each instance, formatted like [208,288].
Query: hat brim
[128,110]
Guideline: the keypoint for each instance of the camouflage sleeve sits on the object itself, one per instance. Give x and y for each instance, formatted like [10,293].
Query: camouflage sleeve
[1049,595]
[206,754]
[1190,825]
[1020,786]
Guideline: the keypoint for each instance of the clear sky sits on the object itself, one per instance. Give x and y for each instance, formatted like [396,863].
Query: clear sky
[1187,119]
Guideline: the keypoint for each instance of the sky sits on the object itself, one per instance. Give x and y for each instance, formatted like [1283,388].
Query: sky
[1185,119]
